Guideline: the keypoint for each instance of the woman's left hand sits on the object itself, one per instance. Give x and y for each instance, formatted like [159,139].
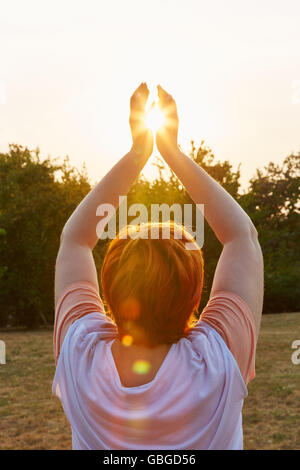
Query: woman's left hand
[142,137]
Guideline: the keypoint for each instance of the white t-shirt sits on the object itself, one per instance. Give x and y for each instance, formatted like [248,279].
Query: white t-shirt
[194,402]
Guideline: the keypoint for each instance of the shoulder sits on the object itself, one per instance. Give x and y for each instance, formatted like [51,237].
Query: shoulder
[79,312]
[219,362]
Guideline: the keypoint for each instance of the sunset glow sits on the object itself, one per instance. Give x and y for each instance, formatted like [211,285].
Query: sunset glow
[232,67]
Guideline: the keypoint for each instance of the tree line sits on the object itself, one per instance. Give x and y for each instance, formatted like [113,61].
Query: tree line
[37,197]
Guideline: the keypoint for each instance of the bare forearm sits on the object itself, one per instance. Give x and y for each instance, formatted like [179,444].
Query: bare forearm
[224,215]
[81,226]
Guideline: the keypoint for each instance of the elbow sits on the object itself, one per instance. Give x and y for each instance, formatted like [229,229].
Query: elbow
[63,234]
[246,232]
[61,237]
[254,239]
[253,231]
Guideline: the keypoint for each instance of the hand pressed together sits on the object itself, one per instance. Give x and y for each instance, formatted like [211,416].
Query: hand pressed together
[142,136]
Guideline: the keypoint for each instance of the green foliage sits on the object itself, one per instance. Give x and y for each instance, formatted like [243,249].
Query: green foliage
[273,204]
[37,197]
[2,268]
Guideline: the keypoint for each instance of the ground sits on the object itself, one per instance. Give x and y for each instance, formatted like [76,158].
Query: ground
[31,418]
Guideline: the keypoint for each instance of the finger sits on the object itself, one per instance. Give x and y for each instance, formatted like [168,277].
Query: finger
[138,104]
[163,95]
[166,102]
[141,93]
[140,87]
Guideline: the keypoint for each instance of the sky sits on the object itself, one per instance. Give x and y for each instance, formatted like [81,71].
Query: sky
[69,67]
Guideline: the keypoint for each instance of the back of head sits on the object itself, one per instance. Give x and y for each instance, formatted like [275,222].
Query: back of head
[151,283]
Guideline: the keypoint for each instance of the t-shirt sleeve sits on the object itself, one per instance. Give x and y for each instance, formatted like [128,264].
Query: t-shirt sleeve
[77,300]
[231,317]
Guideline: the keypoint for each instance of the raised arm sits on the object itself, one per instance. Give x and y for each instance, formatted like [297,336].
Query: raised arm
[75,259]
[240,267]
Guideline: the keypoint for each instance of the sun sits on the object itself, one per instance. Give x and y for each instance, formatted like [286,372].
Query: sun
[154,118]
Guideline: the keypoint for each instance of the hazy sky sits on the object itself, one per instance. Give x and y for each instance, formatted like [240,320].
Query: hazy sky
[68,69]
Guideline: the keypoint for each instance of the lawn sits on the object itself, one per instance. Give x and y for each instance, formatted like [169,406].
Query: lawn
[31,418]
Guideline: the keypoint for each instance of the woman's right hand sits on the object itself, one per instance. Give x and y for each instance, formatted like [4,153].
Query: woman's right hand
[166,137]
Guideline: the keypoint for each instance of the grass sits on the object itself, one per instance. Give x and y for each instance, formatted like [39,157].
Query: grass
[272,409]
[31,418]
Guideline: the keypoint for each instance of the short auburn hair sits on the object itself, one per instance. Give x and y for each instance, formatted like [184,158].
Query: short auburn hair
[152,287]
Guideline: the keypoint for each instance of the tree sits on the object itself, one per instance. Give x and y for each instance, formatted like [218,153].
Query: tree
[2,268]
[36,198]
[273,203]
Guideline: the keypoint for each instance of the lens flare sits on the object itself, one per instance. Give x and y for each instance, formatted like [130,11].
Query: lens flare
[127,340]
[141,367]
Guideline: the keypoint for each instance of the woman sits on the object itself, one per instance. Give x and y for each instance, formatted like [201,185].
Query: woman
[147,376]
